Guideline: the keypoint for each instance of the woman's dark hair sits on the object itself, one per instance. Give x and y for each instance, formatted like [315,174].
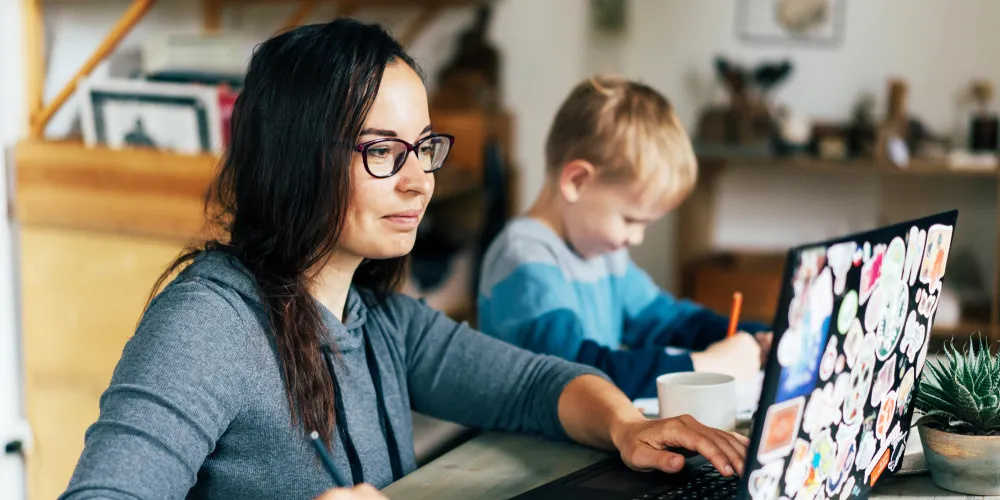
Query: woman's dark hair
[281,194]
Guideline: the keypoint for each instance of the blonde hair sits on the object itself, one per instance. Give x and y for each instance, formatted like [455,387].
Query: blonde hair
[628,131]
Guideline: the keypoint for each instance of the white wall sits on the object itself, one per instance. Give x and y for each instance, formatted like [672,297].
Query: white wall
[938,46]
[11,124]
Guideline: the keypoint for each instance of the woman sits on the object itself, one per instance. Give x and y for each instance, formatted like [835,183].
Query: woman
[290,325]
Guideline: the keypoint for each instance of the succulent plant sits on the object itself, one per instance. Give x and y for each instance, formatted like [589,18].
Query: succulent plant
[961,394]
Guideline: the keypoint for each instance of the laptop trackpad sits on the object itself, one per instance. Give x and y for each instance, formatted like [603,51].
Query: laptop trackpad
[621,478]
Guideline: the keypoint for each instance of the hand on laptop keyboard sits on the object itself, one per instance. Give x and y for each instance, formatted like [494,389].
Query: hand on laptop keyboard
[643,445]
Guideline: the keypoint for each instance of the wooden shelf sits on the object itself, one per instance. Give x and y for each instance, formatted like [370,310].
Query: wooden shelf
[136,191]
[812,164]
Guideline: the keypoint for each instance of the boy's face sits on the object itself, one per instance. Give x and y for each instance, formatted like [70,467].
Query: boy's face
[607,216]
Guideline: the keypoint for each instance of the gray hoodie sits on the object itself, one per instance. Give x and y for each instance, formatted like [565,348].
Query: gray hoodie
[197,407]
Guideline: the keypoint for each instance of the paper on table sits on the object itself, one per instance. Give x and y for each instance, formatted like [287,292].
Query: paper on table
[747,394]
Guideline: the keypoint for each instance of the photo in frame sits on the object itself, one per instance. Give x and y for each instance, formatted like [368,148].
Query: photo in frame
[791,22]
[125,113]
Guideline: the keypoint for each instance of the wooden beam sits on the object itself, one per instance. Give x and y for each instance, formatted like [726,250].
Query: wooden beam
[303,11]
[426,15]
[129,19]
[34,30]
[211,12]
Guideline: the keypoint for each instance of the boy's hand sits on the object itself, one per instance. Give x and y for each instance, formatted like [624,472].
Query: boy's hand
[764,341]
[738,356]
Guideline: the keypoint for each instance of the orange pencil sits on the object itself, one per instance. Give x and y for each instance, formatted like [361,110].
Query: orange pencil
[734,316]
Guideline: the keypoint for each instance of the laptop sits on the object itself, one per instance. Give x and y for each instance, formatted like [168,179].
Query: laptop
[851,337]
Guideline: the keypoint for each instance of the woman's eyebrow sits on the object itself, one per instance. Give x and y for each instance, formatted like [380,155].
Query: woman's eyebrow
[390,133]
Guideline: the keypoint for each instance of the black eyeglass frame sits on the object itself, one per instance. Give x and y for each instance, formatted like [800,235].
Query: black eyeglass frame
[410,148]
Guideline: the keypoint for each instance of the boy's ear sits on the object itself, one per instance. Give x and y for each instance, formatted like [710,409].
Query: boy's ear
[576,175]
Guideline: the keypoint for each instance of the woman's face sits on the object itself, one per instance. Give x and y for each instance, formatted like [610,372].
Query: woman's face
[383,214]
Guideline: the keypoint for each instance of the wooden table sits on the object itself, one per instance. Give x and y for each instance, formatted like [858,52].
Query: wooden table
[500,466]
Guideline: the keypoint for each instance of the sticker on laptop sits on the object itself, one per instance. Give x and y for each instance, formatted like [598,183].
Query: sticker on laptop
[905,392]
[839,257]
[913,337]
[860,386]
[914,254]
[890,327]
[848,490]
[798,467]
[884,381]
[801,346]
[848,311]
[927,303]
[935,256]
[842,467]
[852,343]
[875,309]
[871,271]
[886,415]
[866,450]
[876,468]
[781,427]
[820,413]
[829,362]
[764,482]
[922,357]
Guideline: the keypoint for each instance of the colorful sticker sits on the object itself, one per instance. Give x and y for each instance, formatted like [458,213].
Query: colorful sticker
[884,381]
[842,467]
[817,408]
[860,385]
[886,414]
[841,364]
[876,468]
[890,327]
[914,336]
[848,489]
[798,467]
[858,258]
[927,303]
[852,344]
[763,483]
[839,258]
[922,357]
[848,433]
[867,249]
[875,309]
[801,346]
[781,427]
[866,450]
[829,361]
[905,392]
[935,256]
[848,311]
[894,260]
[841,388]
[897,452]
[871,271]
[914,254]
[820,462]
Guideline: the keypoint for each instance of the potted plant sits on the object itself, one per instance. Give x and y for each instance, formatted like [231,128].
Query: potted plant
[960,427]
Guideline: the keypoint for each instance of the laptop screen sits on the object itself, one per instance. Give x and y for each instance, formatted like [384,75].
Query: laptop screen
[851,337]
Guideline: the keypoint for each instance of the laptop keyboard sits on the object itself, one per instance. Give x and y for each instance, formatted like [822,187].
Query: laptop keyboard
[706,483]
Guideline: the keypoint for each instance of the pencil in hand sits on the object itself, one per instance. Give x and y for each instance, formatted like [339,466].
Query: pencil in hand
[734,315]
[324,457]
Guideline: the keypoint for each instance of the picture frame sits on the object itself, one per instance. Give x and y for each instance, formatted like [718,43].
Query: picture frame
[817,23]
[127,113]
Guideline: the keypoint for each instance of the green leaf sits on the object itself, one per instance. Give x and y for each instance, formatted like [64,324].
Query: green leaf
[967,405]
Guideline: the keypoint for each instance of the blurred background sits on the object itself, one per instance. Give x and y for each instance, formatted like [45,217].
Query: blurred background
[811,118]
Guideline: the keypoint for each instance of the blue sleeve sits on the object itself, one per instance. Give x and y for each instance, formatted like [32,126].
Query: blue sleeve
[654,318]
[634,371]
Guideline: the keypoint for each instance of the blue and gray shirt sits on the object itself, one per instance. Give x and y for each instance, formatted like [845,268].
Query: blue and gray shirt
[606,312]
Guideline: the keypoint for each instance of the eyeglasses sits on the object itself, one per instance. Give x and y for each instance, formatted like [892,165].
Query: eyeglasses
[384,157]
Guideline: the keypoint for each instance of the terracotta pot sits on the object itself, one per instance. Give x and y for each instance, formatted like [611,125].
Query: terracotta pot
[963,464]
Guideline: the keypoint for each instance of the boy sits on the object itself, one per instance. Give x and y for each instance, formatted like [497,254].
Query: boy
[560,281]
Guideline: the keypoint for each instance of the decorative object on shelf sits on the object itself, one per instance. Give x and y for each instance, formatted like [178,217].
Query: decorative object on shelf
[891,143]
[809,22]
[862,133]
[747,119]
[471,78]
[794,131]
[122,113]
[984,133]
[830,141]
[609,17]
[960,427]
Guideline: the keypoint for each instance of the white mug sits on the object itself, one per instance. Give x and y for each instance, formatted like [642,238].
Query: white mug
[708,397]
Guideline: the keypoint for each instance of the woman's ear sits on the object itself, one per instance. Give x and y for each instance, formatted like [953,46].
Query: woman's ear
[574,178]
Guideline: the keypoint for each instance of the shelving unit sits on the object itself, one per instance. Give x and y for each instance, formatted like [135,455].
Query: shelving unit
[97,226]
[696,219]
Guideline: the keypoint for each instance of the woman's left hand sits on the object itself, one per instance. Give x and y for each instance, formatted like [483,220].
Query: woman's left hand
[643,444]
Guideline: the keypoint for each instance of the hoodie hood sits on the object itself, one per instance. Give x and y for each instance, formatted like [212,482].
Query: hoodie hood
[228,273]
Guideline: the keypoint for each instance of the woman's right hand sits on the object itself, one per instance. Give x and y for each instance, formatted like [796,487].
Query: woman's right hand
[359,492]
[738,356]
